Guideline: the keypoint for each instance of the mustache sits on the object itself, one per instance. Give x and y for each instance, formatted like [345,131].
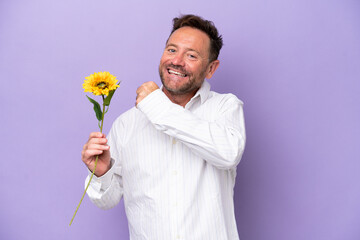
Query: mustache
[177,67]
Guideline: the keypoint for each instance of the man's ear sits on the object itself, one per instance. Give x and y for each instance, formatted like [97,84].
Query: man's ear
[212,68]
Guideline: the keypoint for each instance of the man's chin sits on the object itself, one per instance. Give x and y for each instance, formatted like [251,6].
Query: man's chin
[177,87]
[172,91]
[180,90]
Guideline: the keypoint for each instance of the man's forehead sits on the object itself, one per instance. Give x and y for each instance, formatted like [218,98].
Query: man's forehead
[189,35]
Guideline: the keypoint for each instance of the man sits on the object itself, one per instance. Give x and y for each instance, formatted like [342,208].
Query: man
[173,157]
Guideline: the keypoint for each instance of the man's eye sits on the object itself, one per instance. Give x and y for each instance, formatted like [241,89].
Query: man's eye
[192,56]
[171,50]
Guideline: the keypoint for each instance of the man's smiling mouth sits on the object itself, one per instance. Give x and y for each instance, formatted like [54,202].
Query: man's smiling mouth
[176,73]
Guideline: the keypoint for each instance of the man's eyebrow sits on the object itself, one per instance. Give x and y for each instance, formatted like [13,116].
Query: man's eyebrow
[171,45]
[187,49]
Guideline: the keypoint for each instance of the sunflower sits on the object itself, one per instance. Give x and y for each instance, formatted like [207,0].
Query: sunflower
[100,83]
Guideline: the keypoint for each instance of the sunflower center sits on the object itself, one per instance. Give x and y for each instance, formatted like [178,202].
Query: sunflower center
[101,85]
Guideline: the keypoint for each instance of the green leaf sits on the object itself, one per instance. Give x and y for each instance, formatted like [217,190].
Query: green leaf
[108,98]
[97,108]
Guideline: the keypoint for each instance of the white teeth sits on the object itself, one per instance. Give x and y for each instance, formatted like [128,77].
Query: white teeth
[176,73]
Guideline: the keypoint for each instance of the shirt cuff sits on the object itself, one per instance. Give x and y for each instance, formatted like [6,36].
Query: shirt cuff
[103,182]
[154,104]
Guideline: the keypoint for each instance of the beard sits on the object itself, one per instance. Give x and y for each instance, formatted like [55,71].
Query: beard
[190,86]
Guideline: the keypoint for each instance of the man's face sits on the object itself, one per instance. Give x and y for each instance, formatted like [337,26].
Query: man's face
[185,61]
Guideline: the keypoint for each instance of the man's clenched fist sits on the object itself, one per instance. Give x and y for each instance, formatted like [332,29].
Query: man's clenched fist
[144,90]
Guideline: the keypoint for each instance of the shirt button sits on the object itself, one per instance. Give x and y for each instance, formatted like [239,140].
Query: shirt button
[174,141]
[177,236]
[174,172]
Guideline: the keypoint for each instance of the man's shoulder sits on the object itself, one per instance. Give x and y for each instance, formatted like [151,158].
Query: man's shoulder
[223,98]
[128,123]
[130,116]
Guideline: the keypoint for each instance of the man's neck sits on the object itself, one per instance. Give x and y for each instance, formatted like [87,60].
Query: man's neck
[181,99]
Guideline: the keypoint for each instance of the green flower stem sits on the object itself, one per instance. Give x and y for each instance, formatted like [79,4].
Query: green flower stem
[96,161]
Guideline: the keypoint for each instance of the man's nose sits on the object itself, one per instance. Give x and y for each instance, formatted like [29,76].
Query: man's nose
[178,59]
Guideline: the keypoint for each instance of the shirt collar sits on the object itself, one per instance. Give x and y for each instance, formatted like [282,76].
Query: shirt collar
[203,92]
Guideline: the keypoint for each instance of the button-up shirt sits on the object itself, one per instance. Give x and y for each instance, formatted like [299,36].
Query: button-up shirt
[175,166]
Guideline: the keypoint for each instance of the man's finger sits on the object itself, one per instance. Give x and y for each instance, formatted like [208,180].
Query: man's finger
[98,146]
[96,135]
[91,153]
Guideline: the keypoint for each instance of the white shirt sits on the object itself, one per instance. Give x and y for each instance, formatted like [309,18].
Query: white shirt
[175,167]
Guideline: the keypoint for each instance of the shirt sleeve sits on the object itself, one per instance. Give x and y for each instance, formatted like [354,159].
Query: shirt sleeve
[106,191]
[220,142]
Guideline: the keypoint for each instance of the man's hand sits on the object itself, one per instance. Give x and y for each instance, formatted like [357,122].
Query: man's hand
[144,90]
[96,145]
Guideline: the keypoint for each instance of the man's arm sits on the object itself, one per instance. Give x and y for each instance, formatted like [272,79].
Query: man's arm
[220,142]
[106,188]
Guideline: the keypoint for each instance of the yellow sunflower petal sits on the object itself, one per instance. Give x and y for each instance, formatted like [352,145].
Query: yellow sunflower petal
[100,83]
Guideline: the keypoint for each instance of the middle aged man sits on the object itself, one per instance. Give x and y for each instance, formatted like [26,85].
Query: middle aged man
[173,157]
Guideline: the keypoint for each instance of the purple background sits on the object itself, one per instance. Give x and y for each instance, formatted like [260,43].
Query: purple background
[295,64]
